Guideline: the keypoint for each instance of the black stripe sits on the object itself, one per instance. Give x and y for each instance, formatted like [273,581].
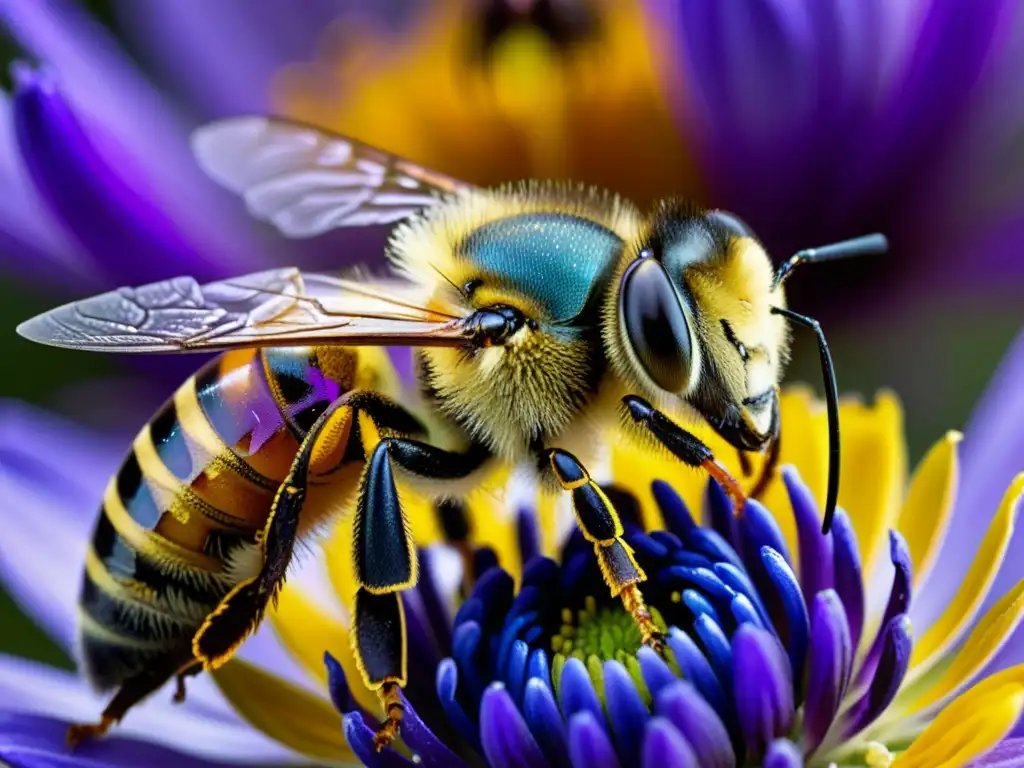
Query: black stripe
[169,441]
[116,615]
[107,664]
[123,561]
[135,495]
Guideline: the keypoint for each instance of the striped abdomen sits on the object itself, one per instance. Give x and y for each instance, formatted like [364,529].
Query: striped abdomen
[178,523]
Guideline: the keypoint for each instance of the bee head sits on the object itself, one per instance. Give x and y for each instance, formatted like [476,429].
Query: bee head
[695,317]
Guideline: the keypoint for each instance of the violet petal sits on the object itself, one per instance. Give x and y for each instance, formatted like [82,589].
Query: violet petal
[763,688]
[360,738]
[429,750]
[627,712]
[664,746]
[655,672]
[783,753]
[816,557]
[588,743]
[1009,754]
[697,669]
[894,660]
[545,721]
[505,737]
[447,689]
[899,600]
[831,656]
[698,722]
[793,611]
[678,519]
[576,691]
[849,579]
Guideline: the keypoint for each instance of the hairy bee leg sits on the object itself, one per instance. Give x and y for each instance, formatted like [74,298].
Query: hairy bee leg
[601,526]
[240,611]
[684,446]
[385,565]
[179,680]
[131,692]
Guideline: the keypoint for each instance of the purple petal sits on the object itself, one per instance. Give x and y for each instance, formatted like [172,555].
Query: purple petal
[849,578]
[898,643]
[678,519]
[763,688]
[28,741]
[816,559]
[792,607]
[655,672]
[758,529]
[991,455]
[588,743]
[664,745]
[337,685]
[429,750]
[545,721]
[899,600]
[696,668]
[128,235]
[576,691]
[718,514]
[265,36]
[697,721]
[1009,754]
[783,754]
[505,737]
[214,733]
[829,670]
[105,87]
[360,738]
[447,683]
[627,712]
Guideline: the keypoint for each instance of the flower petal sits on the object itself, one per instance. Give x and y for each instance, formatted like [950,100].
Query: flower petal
[763,688]
[888,677]
[128,235]
[665,745]
[793,609]
[27,741]
[588,743]
[681,704]
[898,603]
[984,641]
[990,459]
[216,733]
[965,604]
[783,754]
[627,712]
[306,631]
[831,655]
[962,733]
[576,691]
[302,721]
[928,508]
[507,741]
[545,721]
[360,738]
[696,668]
[1009,754]
[816,559]
[848,575]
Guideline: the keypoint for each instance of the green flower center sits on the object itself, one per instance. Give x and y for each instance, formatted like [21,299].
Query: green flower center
[595,635]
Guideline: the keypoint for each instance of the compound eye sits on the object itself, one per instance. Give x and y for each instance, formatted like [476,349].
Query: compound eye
[656,326]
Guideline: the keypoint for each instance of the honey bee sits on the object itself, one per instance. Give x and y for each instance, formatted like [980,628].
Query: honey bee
[542,314]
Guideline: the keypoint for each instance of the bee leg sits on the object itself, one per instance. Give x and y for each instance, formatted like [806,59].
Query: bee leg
[241,610]
[451,513]
[684,446]
[601,526]
[385,564]
[132,691]
[179,681]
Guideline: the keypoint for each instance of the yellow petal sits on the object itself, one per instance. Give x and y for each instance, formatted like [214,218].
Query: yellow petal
[873,471]
[294,717]
[964,606]
[928,508]
[967,729]
[306,632]
[804,445]
[985,640]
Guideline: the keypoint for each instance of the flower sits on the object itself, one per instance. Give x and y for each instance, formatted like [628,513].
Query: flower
[820,639]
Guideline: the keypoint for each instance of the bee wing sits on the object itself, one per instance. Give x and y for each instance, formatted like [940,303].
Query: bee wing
[305,181]
[281,307]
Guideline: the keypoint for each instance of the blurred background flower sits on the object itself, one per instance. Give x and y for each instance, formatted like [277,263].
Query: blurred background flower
[813,121]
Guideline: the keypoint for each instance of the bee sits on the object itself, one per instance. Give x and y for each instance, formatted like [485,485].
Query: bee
[542,315]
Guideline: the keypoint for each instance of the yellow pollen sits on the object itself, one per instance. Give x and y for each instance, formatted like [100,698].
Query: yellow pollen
[877,755]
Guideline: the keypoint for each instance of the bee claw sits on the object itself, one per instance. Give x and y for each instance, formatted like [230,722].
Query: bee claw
[179,691]
[387,733]
[84,731]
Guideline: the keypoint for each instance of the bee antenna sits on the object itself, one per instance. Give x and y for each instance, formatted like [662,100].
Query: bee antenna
[828,374]
[858,246]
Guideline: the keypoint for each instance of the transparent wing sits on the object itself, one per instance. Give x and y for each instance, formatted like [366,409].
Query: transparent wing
[305,181]
[281,307]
